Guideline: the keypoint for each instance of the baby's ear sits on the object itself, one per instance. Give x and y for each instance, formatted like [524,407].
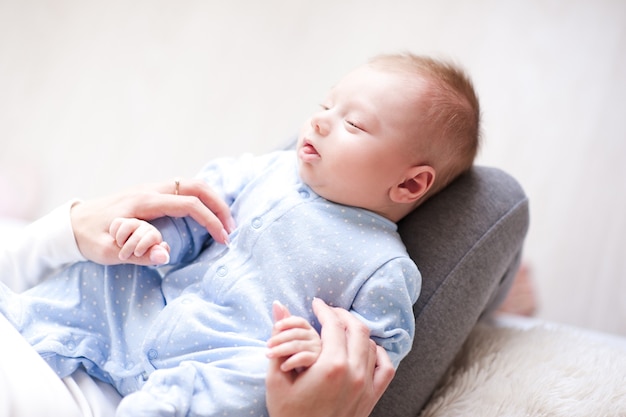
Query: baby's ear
[414,185]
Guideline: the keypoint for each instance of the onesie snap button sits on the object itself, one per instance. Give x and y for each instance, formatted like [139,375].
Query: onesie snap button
[304,194]
[222,271]
[153,354]
[257,222]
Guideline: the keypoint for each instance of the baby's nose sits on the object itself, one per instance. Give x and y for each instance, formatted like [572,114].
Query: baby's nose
[320,125]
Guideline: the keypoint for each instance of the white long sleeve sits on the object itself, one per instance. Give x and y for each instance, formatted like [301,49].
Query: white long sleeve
[42,246]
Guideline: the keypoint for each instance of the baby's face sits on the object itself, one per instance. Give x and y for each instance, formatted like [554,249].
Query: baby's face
[356,147]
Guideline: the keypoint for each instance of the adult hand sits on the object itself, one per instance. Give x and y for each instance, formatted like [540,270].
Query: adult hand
[91,219]
[347,380]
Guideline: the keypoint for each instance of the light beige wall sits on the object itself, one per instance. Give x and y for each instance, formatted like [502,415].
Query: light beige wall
[98,96]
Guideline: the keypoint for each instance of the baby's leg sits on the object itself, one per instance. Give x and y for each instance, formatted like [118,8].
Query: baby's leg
[90,315]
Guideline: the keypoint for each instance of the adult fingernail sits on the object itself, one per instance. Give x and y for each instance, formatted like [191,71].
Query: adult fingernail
[225,238]
[159,256]
[231,225]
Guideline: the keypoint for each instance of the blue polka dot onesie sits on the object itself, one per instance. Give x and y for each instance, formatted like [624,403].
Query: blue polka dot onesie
[189,339]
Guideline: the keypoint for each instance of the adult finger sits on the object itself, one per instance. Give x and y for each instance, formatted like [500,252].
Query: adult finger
[159,254]
[333,333]
[156,205]
[383,373]
[358,338]
[362,349]
[210,199]
[203,204]
[278,385]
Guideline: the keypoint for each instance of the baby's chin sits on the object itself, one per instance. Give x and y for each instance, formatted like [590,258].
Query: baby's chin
[302,173]
[337,197]
[313,185]
[325,192]
[319,186]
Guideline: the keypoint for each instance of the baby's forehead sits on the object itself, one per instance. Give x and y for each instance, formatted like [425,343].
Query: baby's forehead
[410,82]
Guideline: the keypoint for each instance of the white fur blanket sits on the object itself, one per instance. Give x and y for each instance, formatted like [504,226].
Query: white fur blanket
[539,371]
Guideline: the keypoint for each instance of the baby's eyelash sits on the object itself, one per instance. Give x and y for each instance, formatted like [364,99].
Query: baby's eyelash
[354,125]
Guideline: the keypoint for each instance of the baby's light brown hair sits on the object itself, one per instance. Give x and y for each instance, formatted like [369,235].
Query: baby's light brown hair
[449,136]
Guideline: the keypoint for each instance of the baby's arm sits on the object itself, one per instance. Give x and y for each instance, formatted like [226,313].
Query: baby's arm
[138,237]
[294,341]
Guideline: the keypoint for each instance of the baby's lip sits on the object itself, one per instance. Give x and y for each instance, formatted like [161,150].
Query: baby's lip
[309,147]
[308,150]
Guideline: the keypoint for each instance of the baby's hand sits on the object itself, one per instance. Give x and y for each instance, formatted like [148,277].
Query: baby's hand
[137,237]
[294,339]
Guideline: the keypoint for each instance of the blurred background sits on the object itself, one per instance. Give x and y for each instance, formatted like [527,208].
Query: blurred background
[99,96]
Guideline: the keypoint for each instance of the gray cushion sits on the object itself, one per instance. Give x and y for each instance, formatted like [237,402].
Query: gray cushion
[467,242]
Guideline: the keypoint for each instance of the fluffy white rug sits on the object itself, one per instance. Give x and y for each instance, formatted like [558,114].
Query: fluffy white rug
[539,371]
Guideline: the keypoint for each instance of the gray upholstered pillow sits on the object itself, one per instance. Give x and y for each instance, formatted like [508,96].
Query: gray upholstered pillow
[467,242]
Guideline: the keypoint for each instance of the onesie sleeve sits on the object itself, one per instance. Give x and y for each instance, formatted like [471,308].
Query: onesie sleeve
[229,176]
[385,304]
[184,235]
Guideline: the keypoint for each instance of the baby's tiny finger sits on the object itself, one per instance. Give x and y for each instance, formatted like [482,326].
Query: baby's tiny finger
[114,227]
[146,236]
